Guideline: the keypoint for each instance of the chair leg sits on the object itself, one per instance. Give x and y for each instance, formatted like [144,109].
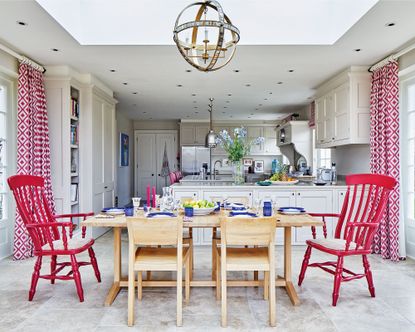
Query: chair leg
[131,290]
[214,259]
[304,265]
[272,318]
[187,281]
[52,268]
[337,280]
[35,277]
[191,258]
[77,278]
[217,271]
[179,315]
[369,277]
[140,285]
[224,321]
[94,264]
[255,275]
[266,285]
[148,275]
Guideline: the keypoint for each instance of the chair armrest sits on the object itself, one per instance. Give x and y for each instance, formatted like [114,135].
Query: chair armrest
[323,216]
[362,224]
[49,239]
[76,215]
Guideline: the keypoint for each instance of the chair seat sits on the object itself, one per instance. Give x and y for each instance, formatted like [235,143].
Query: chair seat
[73,244]
[158,259]
[333,244]
[246,259]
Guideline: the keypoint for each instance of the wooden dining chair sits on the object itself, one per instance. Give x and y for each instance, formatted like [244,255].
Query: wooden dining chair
[216,233]
[257,232]
[363,208]
[50,237]
[143,233]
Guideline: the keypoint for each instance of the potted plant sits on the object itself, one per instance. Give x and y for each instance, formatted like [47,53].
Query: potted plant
[237,147]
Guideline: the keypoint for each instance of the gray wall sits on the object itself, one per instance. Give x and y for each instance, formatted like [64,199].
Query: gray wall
[407,60]
[157,125]
[125,175]
[351,159]
[8,64]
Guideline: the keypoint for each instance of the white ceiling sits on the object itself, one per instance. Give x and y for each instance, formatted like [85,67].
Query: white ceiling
[155,71]
[263,22]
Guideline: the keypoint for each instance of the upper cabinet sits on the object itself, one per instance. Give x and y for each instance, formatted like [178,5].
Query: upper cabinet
[193,134]
[342,109]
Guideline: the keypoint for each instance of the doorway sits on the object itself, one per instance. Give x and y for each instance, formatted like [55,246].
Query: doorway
[148,158]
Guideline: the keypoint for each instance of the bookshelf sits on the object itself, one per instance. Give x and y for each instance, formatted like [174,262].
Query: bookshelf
[74,116]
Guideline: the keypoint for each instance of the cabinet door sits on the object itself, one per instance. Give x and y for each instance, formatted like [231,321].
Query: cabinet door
[320,115]
[200,134]
[187,195]
[244,197]
[329,119]
[145,163]
[341,112]
[270,144]
[284,198]
[314,201]
[254,132]
[187,135]
[167,141]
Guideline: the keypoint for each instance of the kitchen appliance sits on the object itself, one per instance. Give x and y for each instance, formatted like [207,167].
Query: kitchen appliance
[324,175]
[193,158]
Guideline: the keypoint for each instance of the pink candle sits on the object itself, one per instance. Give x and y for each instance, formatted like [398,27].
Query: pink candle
[154,197]
[148,195]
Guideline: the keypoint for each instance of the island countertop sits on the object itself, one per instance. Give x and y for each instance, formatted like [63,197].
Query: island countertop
[230,185]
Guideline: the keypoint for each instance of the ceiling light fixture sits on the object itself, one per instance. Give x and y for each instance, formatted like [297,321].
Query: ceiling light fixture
[193,94]
[112,70]
[179,85]
[134,93]
[21,23]
[196,50]
[125,83]
[229,94]
[290,70]
[236,71]
[211,136]
[279,82]
[55,50]
[188,71]
[391,24]
[247,85]
[357,49]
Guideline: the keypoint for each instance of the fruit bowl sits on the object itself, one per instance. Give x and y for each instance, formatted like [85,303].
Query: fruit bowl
[284,183]
[203,211]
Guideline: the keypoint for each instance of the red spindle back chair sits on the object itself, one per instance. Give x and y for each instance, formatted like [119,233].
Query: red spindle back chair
[363,208]
[173,178]
[50,237]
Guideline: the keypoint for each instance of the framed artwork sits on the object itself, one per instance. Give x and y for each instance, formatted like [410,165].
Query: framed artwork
[247,161]
[258,166]
[124,150]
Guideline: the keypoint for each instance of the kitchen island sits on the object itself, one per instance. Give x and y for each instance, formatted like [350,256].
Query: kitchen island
[315,199]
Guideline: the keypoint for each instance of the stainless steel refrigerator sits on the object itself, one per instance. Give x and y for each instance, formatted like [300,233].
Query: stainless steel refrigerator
[193,158]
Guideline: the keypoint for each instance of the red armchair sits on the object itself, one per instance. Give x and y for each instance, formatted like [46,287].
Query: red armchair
[50,237]
[364,204]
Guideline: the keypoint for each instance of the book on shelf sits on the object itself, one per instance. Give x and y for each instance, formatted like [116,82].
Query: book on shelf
[74,108]
[74,134]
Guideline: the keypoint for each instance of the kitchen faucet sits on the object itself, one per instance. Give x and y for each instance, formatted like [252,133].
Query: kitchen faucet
[214,168]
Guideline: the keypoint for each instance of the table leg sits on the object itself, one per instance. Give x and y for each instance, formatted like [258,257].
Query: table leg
[289,287]
[115,288]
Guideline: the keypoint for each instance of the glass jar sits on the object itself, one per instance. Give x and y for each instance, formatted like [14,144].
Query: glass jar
[238,172]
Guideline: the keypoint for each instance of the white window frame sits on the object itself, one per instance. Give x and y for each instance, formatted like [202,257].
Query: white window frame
[7,223]
[407,79]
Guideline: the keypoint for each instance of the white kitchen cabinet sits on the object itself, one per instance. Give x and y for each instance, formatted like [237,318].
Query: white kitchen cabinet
[254,132]
[244,197]
[193,134]
[270,146]
[342,109]
[320,201]
[187,195]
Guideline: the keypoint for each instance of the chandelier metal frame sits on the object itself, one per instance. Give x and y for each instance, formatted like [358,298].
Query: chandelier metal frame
[223,23]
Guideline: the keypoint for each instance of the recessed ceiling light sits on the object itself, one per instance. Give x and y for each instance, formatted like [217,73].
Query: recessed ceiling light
[390,24]
[194,101]
[151,118]
[248,84]
[55,50]
[223,112]
[265,98]
[259,104]
[224,107]
[236,70]
[195,107]
[228,101]
[21,23]
[193,94]
[270,93]
[252,113]
[187,116]
[125,83]
[249,117]
[290,70]
[279,82]
[188,70]
[134,93]
[256,109]
[357,49]
[144,112]
[112,70]
[196,112]
[179,85]
[134,104]
[229,94]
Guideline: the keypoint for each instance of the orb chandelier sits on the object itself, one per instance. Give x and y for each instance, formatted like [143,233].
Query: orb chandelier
[209,41]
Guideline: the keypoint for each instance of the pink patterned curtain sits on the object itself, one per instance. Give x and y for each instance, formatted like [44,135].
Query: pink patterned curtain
[384,152]
[33,150]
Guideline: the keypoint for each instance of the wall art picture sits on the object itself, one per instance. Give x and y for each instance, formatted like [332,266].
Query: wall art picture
[124,150]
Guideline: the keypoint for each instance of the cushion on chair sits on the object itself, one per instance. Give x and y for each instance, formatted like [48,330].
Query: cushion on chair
[72,244]
[334,244]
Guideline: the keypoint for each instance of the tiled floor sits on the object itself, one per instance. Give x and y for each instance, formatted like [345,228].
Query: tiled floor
[56,307]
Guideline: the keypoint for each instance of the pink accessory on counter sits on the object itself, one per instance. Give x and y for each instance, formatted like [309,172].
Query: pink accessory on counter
[154,197]
[148,196]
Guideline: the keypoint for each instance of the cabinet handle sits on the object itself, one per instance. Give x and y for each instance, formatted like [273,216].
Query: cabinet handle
[152,174]
[194,194]
[332,138]
[298,194]
[292,194]
[341,194]
[159,175]
[106,187]
[250,194]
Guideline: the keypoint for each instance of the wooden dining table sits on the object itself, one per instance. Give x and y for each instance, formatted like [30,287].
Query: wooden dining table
[210,221]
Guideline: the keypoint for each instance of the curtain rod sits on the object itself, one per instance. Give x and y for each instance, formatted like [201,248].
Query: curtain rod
[22,58]
[395,56]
